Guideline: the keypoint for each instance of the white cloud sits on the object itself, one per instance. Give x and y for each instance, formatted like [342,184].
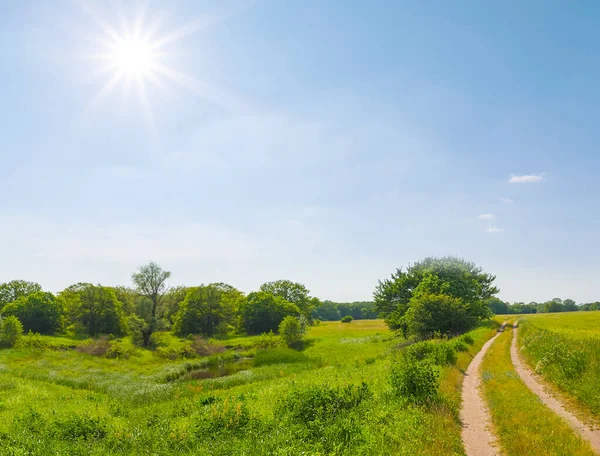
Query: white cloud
[526,179]
[494,229]
[486,217]
[506,200]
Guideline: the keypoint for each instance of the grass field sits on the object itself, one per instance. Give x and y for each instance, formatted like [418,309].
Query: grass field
[523,424]
[60,401]
[565,349]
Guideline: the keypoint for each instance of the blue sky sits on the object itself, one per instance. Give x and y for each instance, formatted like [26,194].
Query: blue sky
[327,142]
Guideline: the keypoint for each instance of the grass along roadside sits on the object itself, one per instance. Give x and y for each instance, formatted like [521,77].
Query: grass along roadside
[567,357]
[523,424]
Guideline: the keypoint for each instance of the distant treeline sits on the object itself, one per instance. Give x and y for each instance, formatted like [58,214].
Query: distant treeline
[500,307]
[334,311]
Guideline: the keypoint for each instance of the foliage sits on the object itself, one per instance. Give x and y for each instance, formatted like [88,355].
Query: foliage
[347,319]
[451,276]
[431,315]
[11,331]
[95,309]
[39,312]
[415,380]
[316,402]
[293,292]
[95,347]
[261,312]
[15,289]
[333,311]
[292,331]
[150,282]
[205,310]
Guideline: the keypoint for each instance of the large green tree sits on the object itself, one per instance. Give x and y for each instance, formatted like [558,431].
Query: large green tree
[151,282]
[261,312]
[293,292]
[449,276]
[94,309]
[206,310]
[39,312]
[15,289]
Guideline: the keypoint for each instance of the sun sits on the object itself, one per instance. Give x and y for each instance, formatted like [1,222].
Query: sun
[135,53]
[133,57]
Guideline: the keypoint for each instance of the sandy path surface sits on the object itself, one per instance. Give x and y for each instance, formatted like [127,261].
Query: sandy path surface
[529,378]
[474,414]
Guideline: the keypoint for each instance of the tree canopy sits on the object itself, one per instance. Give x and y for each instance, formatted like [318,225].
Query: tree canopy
[15,289]
[261,312]
[456,278]
[293,292]
[40,312]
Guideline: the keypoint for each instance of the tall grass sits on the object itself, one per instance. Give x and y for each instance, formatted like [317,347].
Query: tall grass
[567,357]
[523,424]
[72,403]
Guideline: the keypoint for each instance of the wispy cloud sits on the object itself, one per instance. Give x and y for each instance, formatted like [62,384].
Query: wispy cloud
[486,217]
[526,179]
[506,200]
[494,229]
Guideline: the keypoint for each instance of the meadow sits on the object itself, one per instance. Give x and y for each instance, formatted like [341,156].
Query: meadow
[564,348]
[61,396]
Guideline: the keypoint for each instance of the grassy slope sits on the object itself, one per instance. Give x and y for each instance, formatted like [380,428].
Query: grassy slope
[565,349]
[141,413]
[523,424]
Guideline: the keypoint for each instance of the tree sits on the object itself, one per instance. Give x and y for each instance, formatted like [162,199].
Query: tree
[570,305]
[39,312]
[498,306]
[328,311]
[204,309]
[450,276]
[293,292]
[291,331]
[94,309]
[150,282]
[171,302]
[431,315]
[261,312]
[556,305]
[15,289]
[11,331]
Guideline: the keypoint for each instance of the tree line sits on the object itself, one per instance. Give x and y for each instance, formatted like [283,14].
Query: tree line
[335,311]
[150,305]
[500,307]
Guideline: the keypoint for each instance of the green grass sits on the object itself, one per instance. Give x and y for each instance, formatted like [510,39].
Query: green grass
[565,349]
[522,423]
[65,402]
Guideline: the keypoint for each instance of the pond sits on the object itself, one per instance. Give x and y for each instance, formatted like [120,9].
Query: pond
[223,370]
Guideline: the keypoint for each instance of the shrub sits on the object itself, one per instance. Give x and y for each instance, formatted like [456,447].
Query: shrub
[415,380]
[467,339]
[291,331]
[460,346]
[312,403]
[347,319]
[439,353]
[11,331]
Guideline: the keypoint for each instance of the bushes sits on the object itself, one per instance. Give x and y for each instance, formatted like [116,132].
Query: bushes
[415,374]
[311,403]
[11,331]
[97,347]
[415,380]
[292,331]
[39,312]
[347,319]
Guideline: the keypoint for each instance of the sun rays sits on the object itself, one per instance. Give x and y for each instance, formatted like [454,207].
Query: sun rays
[131,53]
